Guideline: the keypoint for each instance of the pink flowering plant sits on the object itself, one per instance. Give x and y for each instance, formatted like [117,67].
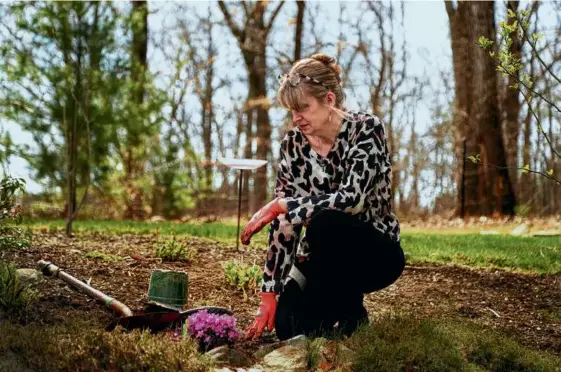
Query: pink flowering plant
[212,330]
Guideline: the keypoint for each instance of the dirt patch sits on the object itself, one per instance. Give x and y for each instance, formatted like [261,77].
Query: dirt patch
[527,307]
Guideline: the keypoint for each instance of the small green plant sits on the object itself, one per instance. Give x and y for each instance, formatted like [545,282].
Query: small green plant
[173,250]
[314,352]
[103,256]
[15,296]
[242,276]
[12,236]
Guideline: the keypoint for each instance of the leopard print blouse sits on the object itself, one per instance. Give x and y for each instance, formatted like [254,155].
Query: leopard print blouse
[354,177]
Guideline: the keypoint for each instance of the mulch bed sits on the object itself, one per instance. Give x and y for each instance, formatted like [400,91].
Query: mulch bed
[517,304]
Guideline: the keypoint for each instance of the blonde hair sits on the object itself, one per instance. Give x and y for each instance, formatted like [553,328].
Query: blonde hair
[320,67]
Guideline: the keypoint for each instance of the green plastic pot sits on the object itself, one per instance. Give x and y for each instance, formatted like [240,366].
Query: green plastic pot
[169,288]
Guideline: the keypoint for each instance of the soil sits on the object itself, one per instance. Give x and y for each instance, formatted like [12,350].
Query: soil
[526,307]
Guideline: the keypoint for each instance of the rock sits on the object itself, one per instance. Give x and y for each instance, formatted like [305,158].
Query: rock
[344,355]
[288,358]
[547,233]
[157,219]
[255,368]
[520,230]
[227,355]
[75,251]
[300,340]
[29,276]
[489,232]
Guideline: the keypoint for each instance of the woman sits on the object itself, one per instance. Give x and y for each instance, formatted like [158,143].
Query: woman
[334,180]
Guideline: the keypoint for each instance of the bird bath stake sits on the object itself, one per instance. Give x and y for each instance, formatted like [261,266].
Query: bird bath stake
[241,164]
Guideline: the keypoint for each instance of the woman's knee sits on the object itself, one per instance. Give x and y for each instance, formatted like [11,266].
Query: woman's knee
[389,270]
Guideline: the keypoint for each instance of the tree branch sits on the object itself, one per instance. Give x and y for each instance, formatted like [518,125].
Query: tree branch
[540,127]
[233,27]
[533,46]
[275,14]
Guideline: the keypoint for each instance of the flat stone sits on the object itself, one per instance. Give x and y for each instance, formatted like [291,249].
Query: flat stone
[547,233]
[227,355]
[300,340]
[520,230]
[256,368]
[288,358]
[29,276]
[489,232]
[345,356]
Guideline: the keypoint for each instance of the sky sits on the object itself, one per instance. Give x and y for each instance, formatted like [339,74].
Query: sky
[426,32]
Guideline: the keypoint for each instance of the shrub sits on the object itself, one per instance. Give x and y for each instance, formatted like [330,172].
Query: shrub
[12,236]
[15,296]
[173,250]
[242,276]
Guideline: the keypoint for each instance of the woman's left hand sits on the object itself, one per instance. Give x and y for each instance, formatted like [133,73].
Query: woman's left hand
[263,217]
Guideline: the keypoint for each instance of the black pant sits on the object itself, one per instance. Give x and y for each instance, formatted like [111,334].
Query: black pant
[348,258]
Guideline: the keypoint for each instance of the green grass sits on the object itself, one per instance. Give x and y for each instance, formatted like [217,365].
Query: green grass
[103,256]
[213,229]
[534,254]
[407,343]
[541,255]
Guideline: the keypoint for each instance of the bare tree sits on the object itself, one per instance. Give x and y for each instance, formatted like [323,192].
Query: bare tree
[252,40]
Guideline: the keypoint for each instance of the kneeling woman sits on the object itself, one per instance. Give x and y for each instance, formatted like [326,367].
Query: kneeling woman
[334,179]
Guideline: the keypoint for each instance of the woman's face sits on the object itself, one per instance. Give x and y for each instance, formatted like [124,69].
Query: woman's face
[311,119]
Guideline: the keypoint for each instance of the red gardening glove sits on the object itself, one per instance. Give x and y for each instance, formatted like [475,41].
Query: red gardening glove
[265,316]
[263,217]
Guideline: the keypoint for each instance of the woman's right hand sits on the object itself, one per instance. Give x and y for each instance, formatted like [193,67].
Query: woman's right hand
[265,317]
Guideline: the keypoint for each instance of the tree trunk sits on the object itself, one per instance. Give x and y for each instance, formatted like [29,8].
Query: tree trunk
[525,180]
[511,107]
[133,166]
[299,29]
[459,18]
[297,55]
[496,192]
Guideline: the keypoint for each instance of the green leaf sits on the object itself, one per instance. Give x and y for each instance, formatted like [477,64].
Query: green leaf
[484,42]
[536,37]
[474,159]
[511,13]
[550,172]
[526,168]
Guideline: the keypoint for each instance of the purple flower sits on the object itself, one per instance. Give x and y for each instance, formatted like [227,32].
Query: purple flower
[211,328]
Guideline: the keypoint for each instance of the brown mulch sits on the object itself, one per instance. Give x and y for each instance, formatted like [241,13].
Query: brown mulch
[519,305]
